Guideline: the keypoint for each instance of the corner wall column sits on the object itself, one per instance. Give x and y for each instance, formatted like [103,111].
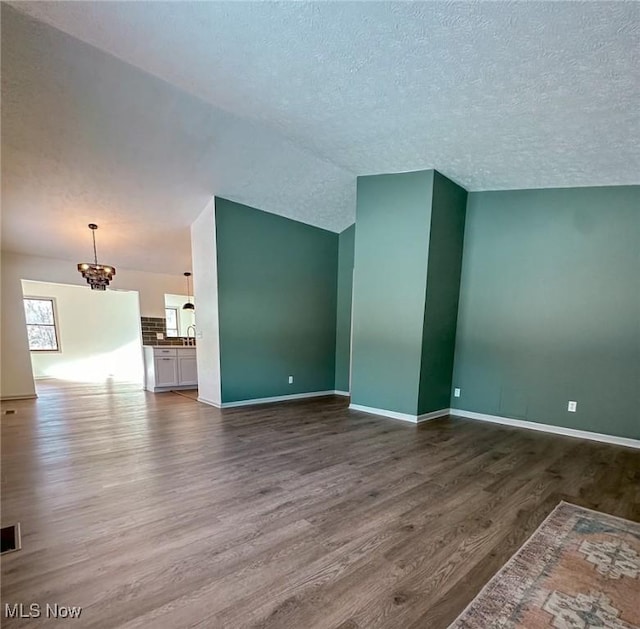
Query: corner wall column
[408,252]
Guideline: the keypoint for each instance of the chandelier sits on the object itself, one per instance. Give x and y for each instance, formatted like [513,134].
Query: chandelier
[97,275]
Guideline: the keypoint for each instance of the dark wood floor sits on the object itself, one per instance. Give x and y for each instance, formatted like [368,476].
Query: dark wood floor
[157,511]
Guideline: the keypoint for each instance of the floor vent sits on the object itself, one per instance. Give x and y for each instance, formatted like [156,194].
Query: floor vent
[9,411]
[11,538]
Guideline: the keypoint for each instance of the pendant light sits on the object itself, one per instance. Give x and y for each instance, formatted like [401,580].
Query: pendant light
[188,305]
[97,275]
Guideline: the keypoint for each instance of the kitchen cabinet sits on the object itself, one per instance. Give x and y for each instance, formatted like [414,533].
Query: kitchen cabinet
[166,371]
[187,369]
[168,368]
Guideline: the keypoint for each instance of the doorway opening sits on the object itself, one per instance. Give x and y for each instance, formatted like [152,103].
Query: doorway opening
[83,336]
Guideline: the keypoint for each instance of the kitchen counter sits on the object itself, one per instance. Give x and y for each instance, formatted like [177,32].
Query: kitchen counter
[169,346]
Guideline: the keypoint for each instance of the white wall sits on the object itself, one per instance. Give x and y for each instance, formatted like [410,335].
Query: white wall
[185,317]
[16,379]
[205,273]
[98,334]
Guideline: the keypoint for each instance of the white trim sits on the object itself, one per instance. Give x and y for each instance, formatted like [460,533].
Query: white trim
[405,417]
[204,400]
[277,398]
[268,400]
[425,417]
[11,398]
[171,387]
[55,325]
[556,430]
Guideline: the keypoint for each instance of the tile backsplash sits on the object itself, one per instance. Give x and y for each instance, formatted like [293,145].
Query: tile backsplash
[152,325]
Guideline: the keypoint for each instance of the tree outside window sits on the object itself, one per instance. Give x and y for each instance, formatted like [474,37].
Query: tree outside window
[41,324]
[171,315]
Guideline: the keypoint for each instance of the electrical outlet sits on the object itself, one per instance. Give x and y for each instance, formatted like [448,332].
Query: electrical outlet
[456,392]
[572,407]
[159,336]
[290,379]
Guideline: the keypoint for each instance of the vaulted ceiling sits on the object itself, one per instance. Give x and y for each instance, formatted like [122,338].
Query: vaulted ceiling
[132,114]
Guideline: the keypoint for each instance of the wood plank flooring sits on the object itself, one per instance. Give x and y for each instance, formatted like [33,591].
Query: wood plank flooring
[157,511]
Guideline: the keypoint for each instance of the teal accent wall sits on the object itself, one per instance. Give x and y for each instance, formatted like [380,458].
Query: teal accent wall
[550,308]
[446,236]
[393,214]
[346,247]
[277,287]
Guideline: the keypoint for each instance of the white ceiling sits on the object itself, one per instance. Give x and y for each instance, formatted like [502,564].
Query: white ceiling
[280,105]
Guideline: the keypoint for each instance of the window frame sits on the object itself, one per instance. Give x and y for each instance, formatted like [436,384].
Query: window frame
[166,327]
[54,325]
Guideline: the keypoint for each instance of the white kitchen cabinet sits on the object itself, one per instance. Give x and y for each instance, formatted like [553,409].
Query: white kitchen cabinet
[168,368]
[166,371]
[187,369]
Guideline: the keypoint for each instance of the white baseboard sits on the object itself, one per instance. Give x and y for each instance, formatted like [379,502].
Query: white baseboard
[277,398]
[425,417]
[12,398]
[269,400]
[556,430]
[204,400]
[405,417]
[178,387]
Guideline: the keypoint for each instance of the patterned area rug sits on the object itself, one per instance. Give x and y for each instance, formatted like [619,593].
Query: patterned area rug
[579,570]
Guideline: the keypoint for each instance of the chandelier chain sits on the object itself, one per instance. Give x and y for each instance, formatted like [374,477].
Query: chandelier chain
[95,251]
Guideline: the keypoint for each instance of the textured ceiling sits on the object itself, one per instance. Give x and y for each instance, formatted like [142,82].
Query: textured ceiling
[88,138]
[279,105]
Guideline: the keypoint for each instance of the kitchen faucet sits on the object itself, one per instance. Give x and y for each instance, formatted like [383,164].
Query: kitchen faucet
[188,340]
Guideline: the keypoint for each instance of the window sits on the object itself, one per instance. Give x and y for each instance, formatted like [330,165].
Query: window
[41,324]
[171,315]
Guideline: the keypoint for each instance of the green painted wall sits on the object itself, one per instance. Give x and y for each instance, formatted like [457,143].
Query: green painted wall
[277,285]
[393,215]
[443,285]
[346,244]
[550,308]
